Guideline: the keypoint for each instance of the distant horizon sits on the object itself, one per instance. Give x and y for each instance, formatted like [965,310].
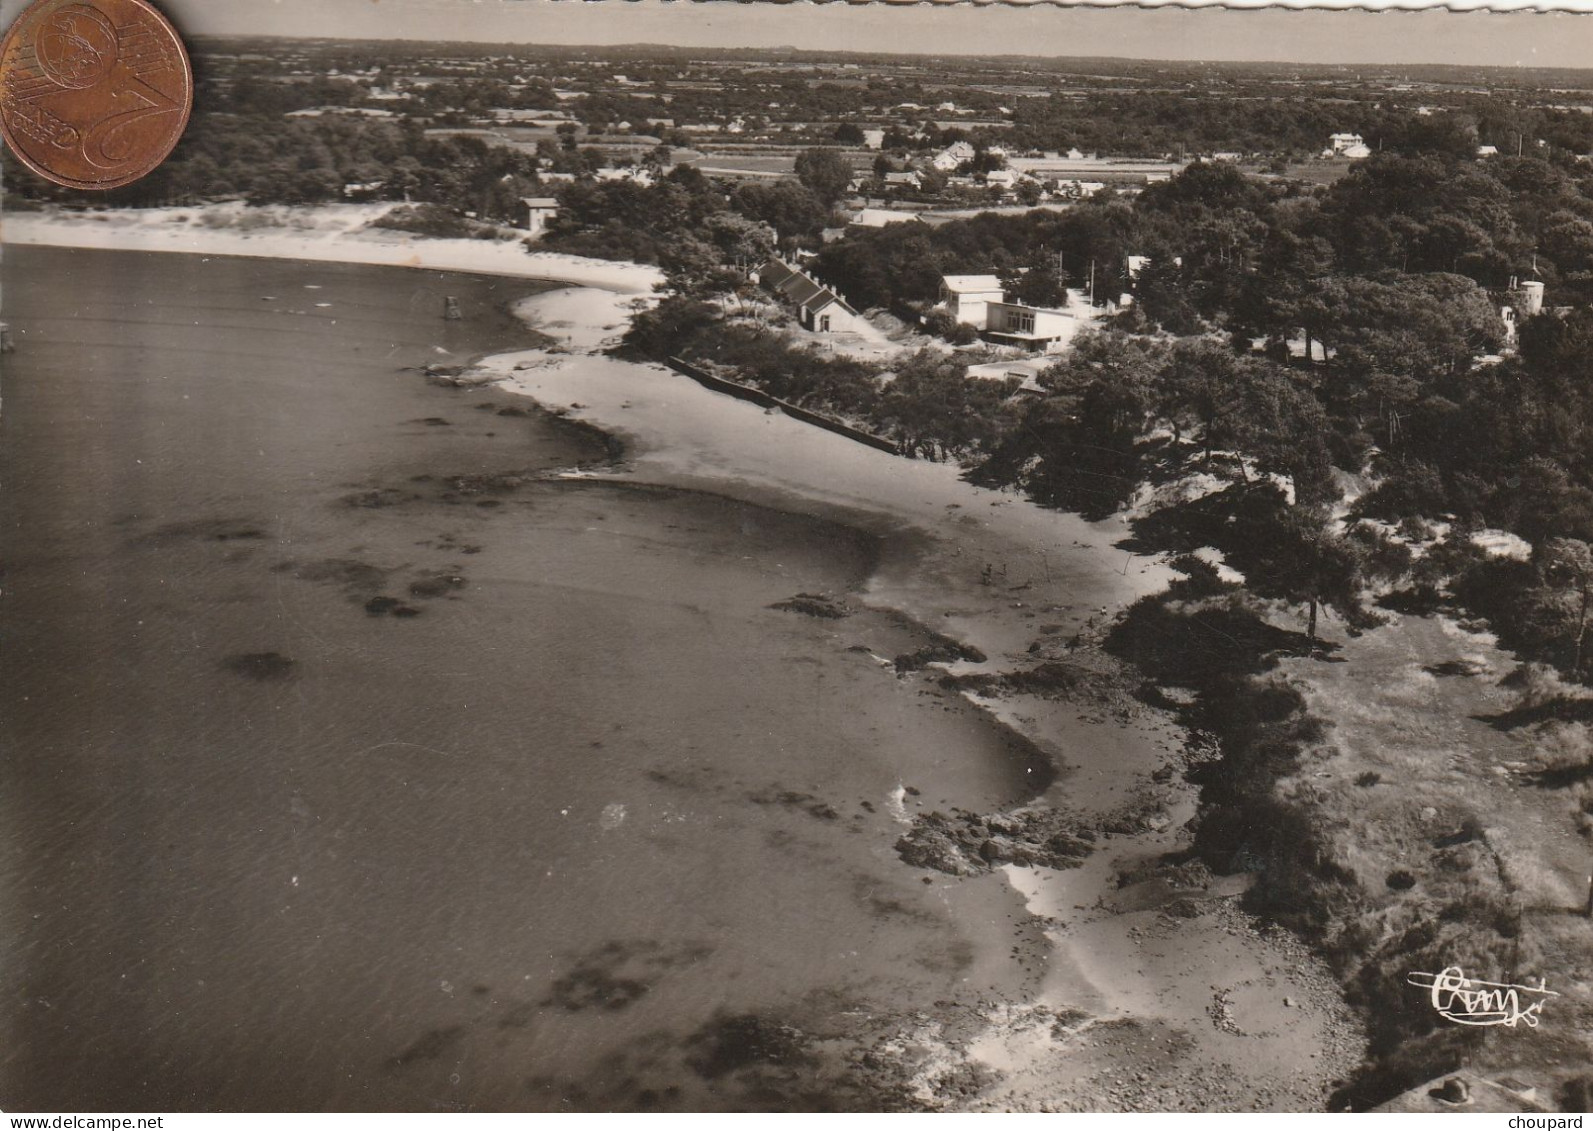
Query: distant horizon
[642,46]
[1558,40]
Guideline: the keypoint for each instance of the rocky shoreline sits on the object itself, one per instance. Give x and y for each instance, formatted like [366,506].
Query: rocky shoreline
[1112,850]
[1104,929]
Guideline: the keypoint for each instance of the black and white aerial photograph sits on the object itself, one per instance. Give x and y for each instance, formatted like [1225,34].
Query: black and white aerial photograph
[759,557]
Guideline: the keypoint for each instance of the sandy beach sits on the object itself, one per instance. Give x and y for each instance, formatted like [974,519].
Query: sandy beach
[1240,1012]
[327,234]
[1145,995]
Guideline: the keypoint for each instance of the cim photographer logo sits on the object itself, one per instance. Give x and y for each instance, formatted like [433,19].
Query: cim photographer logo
[1471,1001]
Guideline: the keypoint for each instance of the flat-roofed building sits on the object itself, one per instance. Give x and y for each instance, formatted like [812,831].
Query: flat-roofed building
[1036,328]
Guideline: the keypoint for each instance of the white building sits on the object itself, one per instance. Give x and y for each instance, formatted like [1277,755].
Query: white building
[967,297]
[818,308]
[1347,145]
[1531,293]
[879,217]
[953,155]
[1035,328]
[637,174]
[538,211]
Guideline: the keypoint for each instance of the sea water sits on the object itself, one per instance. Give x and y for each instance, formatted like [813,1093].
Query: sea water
[350,761]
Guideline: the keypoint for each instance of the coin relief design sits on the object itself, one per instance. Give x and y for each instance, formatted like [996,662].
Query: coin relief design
[94,94]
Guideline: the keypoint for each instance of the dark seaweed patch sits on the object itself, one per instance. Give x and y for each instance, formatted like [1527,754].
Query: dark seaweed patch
[429,1046]
[594,987]
[791,799]
[205,530]
[438,584]
[380,497]
[733,1041]
[263,666]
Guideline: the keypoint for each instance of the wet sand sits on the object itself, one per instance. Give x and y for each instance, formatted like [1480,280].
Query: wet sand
[591,821]
[867,983]
[1209,1012]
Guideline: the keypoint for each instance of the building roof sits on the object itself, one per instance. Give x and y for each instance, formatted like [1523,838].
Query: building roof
[879,217]
[965,284]
[799,288]
[828,298]
[775,272]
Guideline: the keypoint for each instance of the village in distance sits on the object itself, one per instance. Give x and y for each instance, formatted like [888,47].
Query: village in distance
[1318,336]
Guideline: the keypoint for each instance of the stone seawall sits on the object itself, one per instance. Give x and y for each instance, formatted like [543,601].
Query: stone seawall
[763,399]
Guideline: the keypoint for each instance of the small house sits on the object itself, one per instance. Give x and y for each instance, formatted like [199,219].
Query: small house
[538,211]
[968,297]
[818,308]
[954,155]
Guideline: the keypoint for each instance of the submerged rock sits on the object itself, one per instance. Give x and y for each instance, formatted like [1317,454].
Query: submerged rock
[965,844]
[940,650]
[436,584]
[264,666]
[814,605]
[380,606]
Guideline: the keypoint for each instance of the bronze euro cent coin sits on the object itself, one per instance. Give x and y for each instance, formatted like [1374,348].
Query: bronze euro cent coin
[94,94]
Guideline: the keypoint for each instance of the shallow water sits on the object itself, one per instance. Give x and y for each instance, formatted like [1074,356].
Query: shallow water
[550,842]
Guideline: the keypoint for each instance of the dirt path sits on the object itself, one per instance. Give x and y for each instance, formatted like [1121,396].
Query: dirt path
[1429,771]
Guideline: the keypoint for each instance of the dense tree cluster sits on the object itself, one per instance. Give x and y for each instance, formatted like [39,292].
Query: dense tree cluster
[705,238]
[1313,334]
[268,159]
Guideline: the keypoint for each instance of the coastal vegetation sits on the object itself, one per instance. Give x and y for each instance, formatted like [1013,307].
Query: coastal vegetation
[1316,389]
[1310,402]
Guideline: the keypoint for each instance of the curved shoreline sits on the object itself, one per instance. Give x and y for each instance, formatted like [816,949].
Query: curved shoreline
[939,534]
[1270,1010]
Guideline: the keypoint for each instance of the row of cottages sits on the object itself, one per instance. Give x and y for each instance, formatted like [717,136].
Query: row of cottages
[818,308]
[981,301]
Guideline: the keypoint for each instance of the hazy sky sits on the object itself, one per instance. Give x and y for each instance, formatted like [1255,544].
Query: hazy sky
[1524,38]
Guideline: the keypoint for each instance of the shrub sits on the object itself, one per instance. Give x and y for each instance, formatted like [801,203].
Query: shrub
[1409,487]
[434,221]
